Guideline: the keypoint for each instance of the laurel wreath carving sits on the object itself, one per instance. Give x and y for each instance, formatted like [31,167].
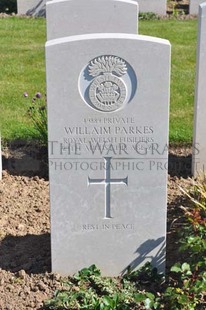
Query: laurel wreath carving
[107,64]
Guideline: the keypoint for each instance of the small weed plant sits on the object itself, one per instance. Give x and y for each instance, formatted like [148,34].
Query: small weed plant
[37,111]
[184,288]
[148,16]
[189,289]
[88,290]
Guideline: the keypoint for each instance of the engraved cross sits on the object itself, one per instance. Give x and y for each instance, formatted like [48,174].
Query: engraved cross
[107,181]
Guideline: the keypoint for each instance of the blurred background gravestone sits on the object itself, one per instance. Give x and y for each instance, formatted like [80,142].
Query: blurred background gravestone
[103,16]
[199,141]
[154,6]
[194,6]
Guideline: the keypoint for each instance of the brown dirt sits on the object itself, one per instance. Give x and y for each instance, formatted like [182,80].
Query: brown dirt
[25,272]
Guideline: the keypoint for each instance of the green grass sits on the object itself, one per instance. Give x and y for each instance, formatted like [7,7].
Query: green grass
[22,68]
[183,37]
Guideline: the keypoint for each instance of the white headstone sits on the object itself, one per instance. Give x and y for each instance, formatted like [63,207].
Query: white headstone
[91,16]
[108,98]
[31,7]
[154,6]
[199,141]
[194,6]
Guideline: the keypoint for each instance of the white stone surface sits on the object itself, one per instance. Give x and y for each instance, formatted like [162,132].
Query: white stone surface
[155,6]
[194,6]
[91,16]
[199,141]
[31,7]
[108,170]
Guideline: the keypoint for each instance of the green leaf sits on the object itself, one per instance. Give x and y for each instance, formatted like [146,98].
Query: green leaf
[107,300]
[150,296]
[139,297]
[183,299]
[116,298]
[176,268]
[156,305]
[185,267]
[148,303]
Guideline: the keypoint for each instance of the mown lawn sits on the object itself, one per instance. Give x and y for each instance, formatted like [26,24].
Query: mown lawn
[183,38]
[22,68]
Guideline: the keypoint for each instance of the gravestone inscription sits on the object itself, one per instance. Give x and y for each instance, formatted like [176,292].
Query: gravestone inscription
[199,143]
[108,134]
[91,16]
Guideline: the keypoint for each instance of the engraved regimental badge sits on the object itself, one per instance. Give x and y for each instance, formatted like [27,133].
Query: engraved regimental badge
[107,83]
[107,92]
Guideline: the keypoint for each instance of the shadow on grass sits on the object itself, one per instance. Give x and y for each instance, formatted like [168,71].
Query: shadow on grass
[31,253]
